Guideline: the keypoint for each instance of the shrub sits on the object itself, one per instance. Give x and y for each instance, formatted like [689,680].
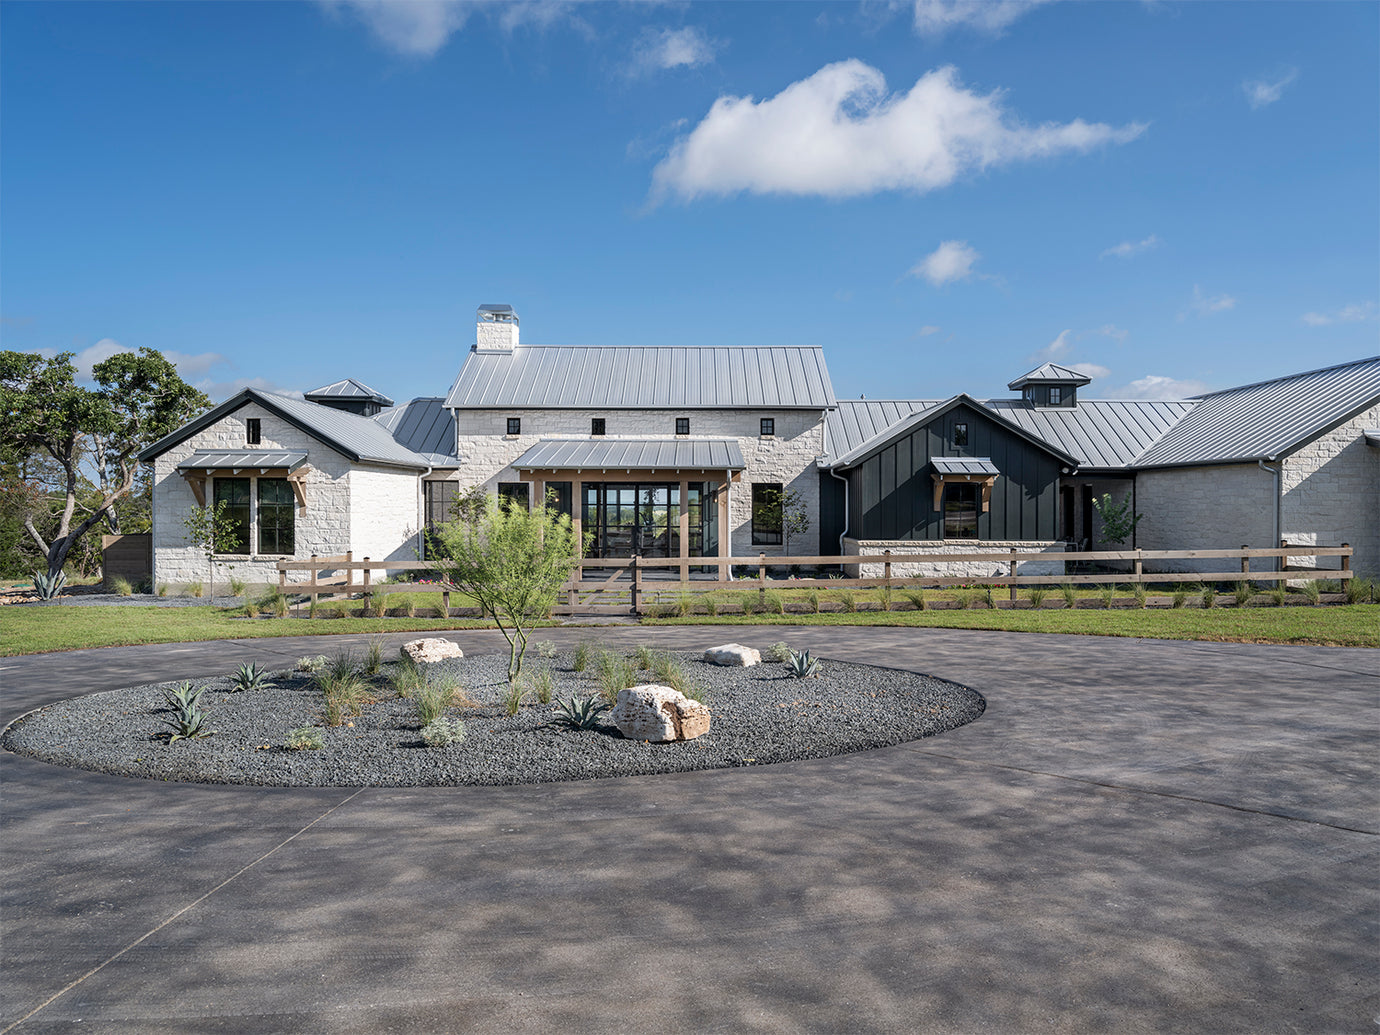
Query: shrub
[579,713]
[778,651]
[433,697]
[1242,593]
[305,738]
[1069,594]
[250,677]
[1358,590]
[188,721]
[642,656]
[545,649]
[442,732]
[1208,597]
[311,663]
[120,586]
[1037,595]
[801,665]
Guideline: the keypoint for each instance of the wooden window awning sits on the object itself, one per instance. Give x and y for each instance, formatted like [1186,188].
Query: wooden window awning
[237,463]
[964,470]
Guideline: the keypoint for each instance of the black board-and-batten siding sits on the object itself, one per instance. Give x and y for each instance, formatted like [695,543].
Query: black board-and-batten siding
[891,491]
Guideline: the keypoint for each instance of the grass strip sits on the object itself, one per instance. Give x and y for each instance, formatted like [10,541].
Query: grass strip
[1341,625]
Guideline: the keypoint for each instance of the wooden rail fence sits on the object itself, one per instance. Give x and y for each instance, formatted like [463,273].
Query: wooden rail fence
[623,586]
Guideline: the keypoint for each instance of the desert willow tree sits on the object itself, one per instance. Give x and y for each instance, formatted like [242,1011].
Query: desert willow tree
[513,561]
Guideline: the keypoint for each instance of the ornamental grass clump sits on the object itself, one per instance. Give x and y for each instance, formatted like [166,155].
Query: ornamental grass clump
[120,586]
[1069,594]
[543,685]
[812,601]
[711,604]
[1311,591]
[1037,595]
[373,656]
[848,601]
[1109,595]
[614,673]
[642,657]
[1180,597]
[917,599]
[1277,594]
[1138,592]
[1208,596]
[772,603]
[1359,590]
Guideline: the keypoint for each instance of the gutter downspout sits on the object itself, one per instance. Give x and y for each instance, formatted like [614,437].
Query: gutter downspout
[421,511]
[844,533]
[1279,502]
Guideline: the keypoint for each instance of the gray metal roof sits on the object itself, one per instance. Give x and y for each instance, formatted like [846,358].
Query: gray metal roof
[243,459]
[1103,434]
[425,427]
[354,437]
[348,389]
[633,454]
[1050,373]
[964,465]
[858,420]
[1266,420]
[1372,436]
[667,377]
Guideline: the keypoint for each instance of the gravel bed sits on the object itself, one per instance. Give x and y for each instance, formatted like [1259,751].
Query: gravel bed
[133,600]
[760,715]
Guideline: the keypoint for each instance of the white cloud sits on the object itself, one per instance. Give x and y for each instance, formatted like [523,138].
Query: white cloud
[1111,330]
[1126,249]
[927,330]
[189,367]
[1092,370]
[838,133]
[935,17]
[420,28]
[951,261]
[672,48]
[1262,92]
[1156,386]
[1055,349]
[1205,305]
[219,391]
[1347,314]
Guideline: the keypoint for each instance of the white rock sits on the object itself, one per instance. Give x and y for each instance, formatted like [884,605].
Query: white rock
[659,714]
[733,654]
[433,648]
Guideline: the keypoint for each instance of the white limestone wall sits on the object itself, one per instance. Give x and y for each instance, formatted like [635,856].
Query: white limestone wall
[1331,493]
[1218,507]
[384,513]
[322,528]
[900,548]
[787,457]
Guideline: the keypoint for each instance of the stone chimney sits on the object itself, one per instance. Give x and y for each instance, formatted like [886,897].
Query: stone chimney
[496,329]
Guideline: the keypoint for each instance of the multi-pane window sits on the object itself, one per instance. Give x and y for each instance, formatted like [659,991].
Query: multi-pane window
[234,494]
[682,425]
[1056,395]
[252,432]
[961,433]
[515,425]
[961,511]
[766,513]
[277,510]
[514,493]
[768,426]
[597,426]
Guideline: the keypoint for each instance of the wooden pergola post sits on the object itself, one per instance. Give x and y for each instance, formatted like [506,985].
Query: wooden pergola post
[684,530]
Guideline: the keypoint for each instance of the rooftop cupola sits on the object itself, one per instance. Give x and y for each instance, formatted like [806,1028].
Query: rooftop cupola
[1050,385]
[496,329]
[351,396]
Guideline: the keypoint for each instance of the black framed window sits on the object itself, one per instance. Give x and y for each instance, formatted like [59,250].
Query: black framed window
[961,433]
[766,513]
[277,512]
[440,508]
[961,510]
[597,426]
[1056,395]
[252,432]
[682,425]
[768,426]
[234,493]
[515,425]
[515,493]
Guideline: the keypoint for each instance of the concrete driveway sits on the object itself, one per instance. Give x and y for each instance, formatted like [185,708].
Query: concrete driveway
[1137,836]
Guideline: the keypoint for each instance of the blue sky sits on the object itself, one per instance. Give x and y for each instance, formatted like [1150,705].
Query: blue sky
[1173,197]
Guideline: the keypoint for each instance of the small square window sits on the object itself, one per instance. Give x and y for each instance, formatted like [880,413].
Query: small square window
[960,433]
[252,431]
[515,425]
[1056,396]
[768,426]
[596,426]
[682,425]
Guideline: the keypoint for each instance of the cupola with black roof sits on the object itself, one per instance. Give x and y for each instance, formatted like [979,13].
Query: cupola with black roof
[1050,385]
[351,396]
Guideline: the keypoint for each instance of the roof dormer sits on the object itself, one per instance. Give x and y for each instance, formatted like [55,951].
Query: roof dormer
[1050,385]
[351,396]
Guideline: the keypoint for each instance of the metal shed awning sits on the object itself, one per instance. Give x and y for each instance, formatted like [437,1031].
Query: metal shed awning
[964,465]
[632,454]
[206,463]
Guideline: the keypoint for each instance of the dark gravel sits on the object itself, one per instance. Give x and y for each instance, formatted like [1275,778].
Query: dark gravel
[760,716]
[133,600]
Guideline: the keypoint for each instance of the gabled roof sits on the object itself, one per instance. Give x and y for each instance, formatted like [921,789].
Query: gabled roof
[629,454]
[858,420]
[354,437]
[424,427]
[1269,419]
[348,389]
[665,377]
[924,416]
[1104,434]
[1050,374]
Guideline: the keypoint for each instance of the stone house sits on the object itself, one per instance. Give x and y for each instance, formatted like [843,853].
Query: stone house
[676,452]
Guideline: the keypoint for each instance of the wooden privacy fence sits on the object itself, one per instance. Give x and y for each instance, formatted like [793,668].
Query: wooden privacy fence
[623,585]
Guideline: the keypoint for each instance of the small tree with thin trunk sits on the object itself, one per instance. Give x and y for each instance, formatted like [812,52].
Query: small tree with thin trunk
[211,529]
[513,562]
[1118,522]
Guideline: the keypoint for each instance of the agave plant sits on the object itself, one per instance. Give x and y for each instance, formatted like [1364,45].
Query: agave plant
[250,677]
[579,713]
[801,665]
[49,586]
[188,720]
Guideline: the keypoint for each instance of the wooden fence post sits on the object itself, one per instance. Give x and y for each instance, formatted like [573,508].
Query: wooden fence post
[762,578]
[636,583]
[1140,567]
[1346,557]
[1014,555]
[445,601]
[313,582]
[368,593]
[1245,560]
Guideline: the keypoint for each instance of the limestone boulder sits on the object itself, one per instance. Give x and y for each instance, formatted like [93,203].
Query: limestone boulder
[430,649]
[733,654]
[659,714]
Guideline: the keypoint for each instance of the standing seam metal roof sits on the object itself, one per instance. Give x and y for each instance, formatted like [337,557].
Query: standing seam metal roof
[1267,420]
[650,377]
[634,454]
[348,389]
[425,427]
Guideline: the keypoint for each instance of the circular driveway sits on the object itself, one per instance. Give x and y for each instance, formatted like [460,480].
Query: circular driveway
[1136,836]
